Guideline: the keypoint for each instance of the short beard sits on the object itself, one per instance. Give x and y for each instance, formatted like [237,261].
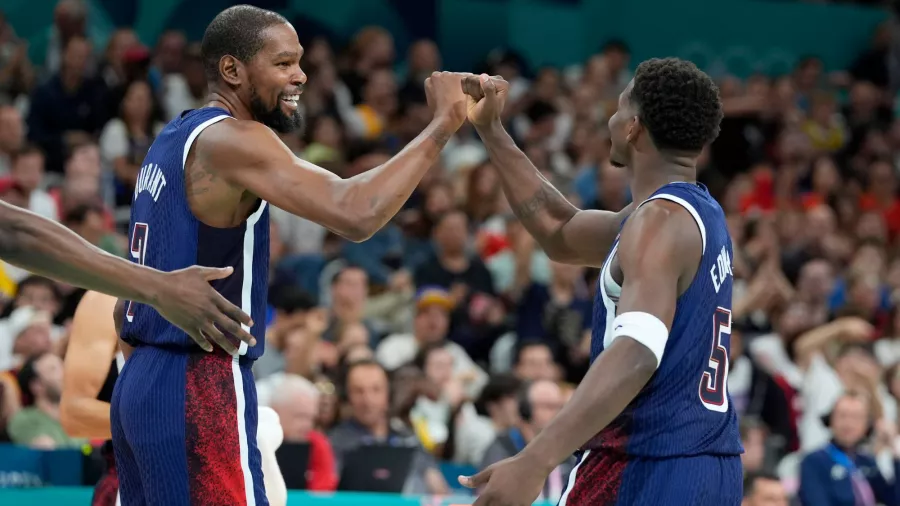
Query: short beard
[274,118]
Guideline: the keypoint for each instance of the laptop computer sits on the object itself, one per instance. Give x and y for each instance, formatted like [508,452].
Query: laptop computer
[378,468]
[293,459]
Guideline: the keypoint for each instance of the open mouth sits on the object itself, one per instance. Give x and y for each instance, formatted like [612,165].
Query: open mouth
[291,100]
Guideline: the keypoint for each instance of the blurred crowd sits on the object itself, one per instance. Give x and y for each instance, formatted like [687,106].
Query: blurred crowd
[450,331]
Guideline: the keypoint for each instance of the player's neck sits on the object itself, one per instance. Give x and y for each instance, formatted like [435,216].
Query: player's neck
[228,101]
[654,173]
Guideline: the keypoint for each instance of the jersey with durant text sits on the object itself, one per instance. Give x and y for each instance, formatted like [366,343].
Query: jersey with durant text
[165,235]
[684,409]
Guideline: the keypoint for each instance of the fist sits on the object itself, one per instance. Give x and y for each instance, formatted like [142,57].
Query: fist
[446,98]
[485,98]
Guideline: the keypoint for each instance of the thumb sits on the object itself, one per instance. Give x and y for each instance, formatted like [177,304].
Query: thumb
[211,273]
[477,480]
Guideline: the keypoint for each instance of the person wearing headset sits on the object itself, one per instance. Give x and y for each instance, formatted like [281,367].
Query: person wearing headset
[539,401]
[94,357]
[842,473]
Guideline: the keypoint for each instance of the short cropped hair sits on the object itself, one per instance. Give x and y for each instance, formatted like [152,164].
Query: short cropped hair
[236,31]
[678,104]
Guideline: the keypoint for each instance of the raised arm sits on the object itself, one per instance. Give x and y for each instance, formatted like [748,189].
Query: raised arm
[249,155]
[183,297]
[92,347]
[655,252]
[566,233]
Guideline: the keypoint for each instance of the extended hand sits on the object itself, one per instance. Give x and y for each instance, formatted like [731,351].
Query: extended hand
[190,302]
[485,98]
[444,91]
[511,482]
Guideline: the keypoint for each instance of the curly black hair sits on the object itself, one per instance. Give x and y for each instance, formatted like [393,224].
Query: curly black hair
[236,31]
[678,103]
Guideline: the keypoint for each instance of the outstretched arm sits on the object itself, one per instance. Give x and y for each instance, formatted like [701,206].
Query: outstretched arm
[566,233]
[250,156]
[183,297]
[49,249]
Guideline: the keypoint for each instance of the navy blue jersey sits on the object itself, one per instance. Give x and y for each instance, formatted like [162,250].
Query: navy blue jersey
[165,235]
[684,409]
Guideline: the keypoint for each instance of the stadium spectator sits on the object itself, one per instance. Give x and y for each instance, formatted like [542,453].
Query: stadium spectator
[534,361]
[843,472]
[494,412]
[538,403]
[370,422]
[38,425]
[296,401]
[27,176]
[69,101]
[761,489]
[12,136]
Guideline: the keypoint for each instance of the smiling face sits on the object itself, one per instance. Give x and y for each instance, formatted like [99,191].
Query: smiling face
[276,80]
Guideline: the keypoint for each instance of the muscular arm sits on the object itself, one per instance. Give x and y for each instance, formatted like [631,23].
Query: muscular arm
[566,233]
[92,347]
[48,249]
[250,156]
[654,252]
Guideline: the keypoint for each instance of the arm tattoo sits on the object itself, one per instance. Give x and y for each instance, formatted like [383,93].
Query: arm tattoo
[546,198]
[199,179]
[440,136]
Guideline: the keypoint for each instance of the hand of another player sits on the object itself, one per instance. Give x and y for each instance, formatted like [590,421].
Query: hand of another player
[515,481]
[188,300]
[444,91]
[485,98]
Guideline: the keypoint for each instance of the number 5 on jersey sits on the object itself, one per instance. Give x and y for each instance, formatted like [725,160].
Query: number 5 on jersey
[138,254]
[714,381]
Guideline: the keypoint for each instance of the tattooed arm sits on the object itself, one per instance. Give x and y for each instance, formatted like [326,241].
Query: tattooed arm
[249,156]
[566,233]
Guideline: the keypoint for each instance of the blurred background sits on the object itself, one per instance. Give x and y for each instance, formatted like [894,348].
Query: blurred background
[450,329]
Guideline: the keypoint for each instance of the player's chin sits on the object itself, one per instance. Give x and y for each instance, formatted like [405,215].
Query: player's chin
[287,123]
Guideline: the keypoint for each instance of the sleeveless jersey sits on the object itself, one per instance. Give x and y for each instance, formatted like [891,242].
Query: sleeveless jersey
[684,409]
[165,235]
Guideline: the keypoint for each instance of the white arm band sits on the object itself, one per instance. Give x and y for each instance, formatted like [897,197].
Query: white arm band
[643,328]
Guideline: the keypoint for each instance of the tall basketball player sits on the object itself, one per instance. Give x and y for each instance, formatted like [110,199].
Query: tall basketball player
[184,421]
[88,386]
[652,418]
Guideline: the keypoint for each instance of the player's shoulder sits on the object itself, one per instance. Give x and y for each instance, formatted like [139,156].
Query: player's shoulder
[660,218]
[235,140]
[660,225]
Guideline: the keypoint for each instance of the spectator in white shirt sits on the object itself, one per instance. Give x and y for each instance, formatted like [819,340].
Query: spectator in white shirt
[430,326]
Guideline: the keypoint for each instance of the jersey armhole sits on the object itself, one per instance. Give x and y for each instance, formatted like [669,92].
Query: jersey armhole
[196,132]
[689,208]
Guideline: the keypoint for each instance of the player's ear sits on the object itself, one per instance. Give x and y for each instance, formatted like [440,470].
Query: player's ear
[231,70]
[633,130]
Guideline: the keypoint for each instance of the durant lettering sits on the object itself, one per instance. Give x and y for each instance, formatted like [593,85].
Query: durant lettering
[151,180]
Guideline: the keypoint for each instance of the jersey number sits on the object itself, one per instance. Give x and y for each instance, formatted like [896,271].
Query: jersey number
[714,381]
[138,253]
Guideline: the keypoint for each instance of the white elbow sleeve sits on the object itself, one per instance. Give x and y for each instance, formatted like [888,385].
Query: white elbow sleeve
[643,328]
